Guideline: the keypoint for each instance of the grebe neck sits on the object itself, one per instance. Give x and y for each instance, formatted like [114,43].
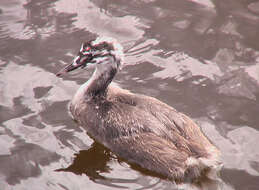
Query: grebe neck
[104,72]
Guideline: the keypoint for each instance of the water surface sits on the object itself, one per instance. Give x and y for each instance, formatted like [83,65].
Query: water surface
[201,58]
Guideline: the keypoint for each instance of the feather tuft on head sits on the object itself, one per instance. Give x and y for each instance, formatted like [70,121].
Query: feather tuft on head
[117,48]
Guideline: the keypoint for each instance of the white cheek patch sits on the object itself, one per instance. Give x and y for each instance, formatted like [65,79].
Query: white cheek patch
[85,52]
[100,60]
[118,49]
[105,52]
[75,60]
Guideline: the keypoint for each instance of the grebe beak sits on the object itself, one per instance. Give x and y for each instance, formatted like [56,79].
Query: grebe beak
[79,61]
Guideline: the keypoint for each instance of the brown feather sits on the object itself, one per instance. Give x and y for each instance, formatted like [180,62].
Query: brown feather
[147,132]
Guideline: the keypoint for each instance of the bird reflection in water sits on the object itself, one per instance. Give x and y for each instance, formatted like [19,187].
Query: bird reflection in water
[95,161]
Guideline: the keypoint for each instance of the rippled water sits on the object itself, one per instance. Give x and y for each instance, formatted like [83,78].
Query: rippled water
[202,57]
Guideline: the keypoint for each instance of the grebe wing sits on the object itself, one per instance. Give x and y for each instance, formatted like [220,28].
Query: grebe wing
[151,152]
[169,119]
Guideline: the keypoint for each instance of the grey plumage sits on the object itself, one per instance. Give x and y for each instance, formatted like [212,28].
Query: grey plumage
[139,128]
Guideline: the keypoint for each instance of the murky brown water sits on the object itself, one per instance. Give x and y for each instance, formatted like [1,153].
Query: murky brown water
[202,57]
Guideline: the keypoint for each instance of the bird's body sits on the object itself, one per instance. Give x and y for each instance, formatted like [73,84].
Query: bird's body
[139,128]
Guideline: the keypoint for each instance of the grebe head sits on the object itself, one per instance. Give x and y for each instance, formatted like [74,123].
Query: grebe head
[94,52]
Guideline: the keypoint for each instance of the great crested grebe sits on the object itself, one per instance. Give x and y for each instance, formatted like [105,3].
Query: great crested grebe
[137,128]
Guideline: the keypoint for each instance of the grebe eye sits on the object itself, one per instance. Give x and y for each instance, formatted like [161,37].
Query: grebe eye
[87,48]
[86,51]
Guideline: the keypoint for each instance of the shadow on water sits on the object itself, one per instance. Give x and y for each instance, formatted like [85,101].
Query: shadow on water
[95,161]
[91,162]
